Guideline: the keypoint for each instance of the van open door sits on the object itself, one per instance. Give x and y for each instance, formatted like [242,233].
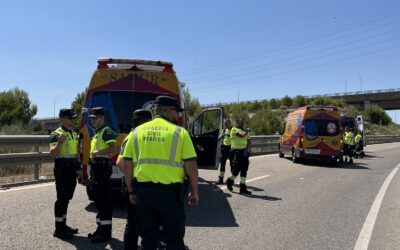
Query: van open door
[360,125]
[205,132]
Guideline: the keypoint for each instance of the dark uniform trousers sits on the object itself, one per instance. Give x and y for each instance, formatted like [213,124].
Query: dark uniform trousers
[240,163]
[65,175]
[158,204]
[225,154]
[131,235]
[101,173]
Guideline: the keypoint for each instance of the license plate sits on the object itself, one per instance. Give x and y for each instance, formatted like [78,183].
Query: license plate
[312,151]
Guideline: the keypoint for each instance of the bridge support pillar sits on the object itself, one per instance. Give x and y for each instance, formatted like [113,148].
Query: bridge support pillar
[366,104]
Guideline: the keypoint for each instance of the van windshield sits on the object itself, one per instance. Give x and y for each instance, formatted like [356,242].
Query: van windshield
[318,127]
[119,106]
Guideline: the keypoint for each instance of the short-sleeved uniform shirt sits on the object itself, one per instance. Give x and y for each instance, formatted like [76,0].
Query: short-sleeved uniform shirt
[154,143]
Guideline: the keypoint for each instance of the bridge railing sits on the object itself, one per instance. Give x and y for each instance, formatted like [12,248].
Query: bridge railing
[261,144]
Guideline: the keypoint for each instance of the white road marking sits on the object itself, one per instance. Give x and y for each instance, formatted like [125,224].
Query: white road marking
[28,187]
[366,231]
[254,179]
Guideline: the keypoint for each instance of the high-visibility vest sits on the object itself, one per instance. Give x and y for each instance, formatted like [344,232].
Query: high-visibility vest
[69,148]
[349,138]
[227,137]
[98,143]
[159,148]
[236,141]
[358,138]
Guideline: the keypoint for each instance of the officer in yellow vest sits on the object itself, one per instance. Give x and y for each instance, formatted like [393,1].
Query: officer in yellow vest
[131,236]
[162,153]
[225,151]
[348,147]
[102,147]
[64,147]
[359,145]
[240,146]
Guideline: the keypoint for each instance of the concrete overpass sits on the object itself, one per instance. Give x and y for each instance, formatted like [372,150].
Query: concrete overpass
[388,99]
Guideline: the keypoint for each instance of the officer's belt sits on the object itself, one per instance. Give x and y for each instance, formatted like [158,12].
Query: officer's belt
[103,156]
[66,157]
[152,185]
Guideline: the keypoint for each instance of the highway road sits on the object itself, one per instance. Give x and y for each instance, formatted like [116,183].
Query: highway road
[294,206]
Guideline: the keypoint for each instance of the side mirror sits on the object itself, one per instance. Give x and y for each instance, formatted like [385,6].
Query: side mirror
[280,131]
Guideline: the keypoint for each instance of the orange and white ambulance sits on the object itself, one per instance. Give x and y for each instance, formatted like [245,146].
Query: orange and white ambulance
[312,132]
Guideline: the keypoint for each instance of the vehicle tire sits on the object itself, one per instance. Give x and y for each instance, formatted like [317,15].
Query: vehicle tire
[295,159]
[89,192]
[281,154]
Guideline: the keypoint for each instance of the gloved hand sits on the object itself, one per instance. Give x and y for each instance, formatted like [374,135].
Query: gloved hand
[246,153]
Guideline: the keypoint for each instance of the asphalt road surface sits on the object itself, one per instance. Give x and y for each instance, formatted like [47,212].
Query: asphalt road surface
[310,205]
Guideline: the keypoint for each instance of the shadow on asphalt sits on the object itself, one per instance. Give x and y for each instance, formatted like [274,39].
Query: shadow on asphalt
[82,243]
[214,209]
[323,164]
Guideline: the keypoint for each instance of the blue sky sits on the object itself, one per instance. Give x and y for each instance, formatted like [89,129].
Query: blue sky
[223,50]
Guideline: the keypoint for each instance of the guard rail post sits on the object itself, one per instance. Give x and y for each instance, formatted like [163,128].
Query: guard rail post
[36,170]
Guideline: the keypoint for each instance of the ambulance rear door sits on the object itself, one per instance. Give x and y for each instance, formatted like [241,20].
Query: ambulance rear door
[361,127]
[205,132]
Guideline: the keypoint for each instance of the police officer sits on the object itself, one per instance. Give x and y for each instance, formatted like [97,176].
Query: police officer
[348,147]
[64,147]
[131,236]
[358,145]
[240,146]
[225,151]
[102,147]
[163,152]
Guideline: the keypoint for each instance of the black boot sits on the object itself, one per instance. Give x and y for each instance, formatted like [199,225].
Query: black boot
[351,160]
[61,233]
[220,180]
[103,236]
[229,184]
[243,190]
[70,229]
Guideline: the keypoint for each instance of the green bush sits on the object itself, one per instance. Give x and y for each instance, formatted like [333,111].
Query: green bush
[377,115]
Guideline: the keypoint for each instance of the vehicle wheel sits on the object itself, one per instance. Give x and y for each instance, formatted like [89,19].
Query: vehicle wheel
[281,154]
[295,159]
[89,192]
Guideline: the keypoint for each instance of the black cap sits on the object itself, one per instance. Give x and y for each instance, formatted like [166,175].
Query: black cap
[67,113]
[167,101]
[141,115]
[97,111]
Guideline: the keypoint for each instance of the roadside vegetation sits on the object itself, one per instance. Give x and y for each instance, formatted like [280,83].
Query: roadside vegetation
[263,117]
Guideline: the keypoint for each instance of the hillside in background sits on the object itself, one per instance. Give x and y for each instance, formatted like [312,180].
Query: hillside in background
[266,117]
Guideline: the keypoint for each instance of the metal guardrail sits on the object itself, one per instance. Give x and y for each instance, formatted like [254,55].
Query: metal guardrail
[261,144]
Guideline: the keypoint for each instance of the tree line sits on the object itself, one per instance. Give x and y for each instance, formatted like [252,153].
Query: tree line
[263,117]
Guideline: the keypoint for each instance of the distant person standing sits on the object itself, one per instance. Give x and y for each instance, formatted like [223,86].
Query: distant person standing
[225,151]
[131,236]
[349,145]
[102,147]
[64,147]
[240,146]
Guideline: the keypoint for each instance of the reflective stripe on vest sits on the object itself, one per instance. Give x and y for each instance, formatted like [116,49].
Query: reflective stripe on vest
[171,162]
[69,147]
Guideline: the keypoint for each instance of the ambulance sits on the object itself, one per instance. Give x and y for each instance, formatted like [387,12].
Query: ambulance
[122,86]
[312,132]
